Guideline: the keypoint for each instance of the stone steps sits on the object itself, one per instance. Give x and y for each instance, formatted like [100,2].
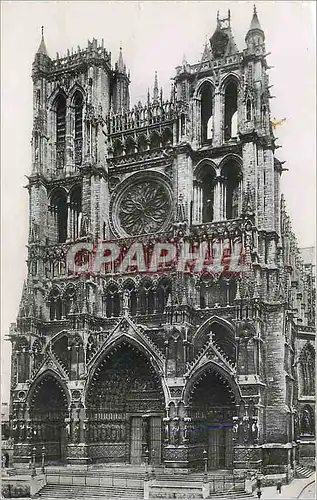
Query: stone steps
[82,491]
[231,495]
[303,472]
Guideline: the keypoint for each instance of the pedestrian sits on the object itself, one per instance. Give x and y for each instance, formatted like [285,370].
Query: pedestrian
[259,493]
[279,486]
[258,483]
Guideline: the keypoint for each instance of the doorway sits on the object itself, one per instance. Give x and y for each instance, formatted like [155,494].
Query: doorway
[146,439]
[212,411]
[126,406]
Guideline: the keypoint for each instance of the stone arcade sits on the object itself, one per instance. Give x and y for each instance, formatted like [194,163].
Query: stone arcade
[110,368]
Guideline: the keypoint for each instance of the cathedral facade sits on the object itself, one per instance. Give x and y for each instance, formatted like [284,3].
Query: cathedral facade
[172,365]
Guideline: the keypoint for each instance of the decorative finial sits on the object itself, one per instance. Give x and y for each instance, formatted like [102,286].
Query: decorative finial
[254,9]
[155,88]
[229,14]
[42,48]
[121,66]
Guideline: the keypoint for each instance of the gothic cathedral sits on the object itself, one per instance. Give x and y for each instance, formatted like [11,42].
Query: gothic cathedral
[115,367]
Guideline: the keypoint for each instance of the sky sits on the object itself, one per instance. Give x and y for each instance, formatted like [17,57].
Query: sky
[154,37]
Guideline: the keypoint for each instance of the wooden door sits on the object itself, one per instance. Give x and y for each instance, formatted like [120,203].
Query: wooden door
[213,448]
[136,440]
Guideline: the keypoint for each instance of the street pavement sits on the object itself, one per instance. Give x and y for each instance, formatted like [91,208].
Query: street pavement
[299,488]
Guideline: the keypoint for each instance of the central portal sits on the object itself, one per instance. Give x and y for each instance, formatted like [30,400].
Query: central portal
[125,409]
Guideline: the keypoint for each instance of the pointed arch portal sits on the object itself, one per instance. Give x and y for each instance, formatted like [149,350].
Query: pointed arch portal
[125,404]
[212,406]
[48,411]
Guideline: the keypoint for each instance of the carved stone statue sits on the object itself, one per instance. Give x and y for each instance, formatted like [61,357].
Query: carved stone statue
[235,429]
[76,433]
[306,423]
[254,432]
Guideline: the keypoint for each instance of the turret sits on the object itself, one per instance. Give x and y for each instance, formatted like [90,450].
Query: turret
[41,60]
[255,36]
[121,97]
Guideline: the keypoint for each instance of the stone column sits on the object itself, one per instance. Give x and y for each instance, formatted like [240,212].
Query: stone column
[217,131]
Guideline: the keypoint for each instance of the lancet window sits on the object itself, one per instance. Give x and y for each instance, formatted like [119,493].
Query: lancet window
[58,209]
[231,111]
[206,113]
[231,174]
[78,136]
[60,131]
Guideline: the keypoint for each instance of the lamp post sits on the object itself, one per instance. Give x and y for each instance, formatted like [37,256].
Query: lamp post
[146,453]
[43,459]
[152,462]
[33,471]
[205,457]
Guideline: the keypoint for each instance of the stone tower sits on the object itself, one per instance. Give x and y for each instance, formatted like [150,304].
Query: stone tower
[124,363]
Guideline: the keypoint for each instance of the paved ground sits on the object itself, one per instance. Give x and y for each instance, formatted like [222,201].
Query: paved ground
[308,492]
[299,488]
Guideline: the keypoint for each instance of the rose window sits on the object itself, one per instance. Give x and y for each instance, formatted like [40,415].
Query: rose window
[142,207]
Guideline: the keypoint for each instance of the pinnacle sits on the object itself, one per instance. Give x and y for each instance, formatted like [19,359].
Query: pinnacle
[155,88]
[255,23]
[120,61]
[42,46]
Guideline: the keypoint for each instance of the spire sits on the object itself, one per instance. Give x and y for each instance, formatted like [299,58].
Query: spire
[42,47]
[255,23]
[206,52]
[255,28]
[155,88]
[120,65]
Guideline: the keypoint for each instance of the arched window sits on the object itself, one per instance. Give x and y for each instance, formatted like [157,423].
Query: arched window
[231,107]
[167,137]
[207,177]
[58,209]
[146,298]
[130,146]
[142,144]
[206,113]
[163,292]
[249,110]
[112,301]
[23,360]
[117,148]
[75,212]
[155,141]
[307,423]
[60,131]
[78,107]
[232,177]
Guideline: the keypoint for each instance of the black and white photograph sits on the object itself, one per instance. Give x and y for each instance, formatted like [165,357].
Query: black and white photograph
[158,250]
